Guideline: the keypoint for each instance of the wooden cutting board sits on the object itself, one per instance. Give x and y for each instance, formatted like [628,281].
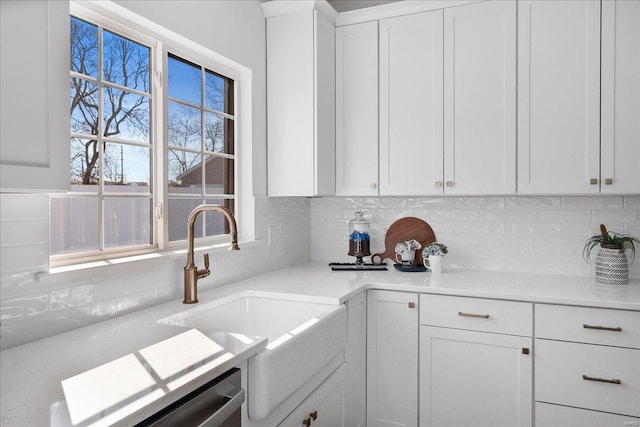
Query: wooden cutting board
[405,229]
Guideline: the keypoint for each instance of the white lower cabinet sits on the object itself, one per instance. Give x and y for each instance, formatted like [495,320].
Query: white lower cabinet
[587,366]
[548,415]
[392,359]
[478,377]
[356,357]
[325,407]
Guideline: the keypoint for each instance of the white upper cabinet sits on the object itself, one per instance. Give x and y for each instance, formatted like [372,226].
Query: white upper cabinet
[357,109]
[447,103]
[34,110]
[300,98]
[620,127]
[480,99]
[559,96]
[411,87]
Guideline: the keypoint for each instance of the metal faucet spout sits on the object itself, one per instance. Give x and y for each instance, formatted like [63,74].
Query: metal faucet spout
[191,272]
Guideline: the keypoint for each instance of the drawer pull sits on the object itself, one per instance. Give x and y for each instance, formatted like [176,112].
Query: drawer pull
[602,328]
[479,316]
[601,380]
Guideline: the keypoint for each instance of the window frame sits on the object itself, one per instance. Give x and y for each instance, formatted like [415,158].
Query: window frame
[161,41]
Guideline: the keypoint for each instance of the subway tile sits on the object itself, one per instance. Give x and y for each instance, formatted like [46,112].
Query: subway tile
[519,228]
[430,202]
[480,227]
[455,215]
[529,202]
[23,232]
[385,202]
[525,216]
[592,202]
[632,202]
[24,206]
[562,216]
[478,203]
[619,216]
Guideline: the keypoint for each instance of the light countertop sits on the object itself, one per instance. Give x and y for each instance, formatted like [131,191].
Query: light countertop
[31,374]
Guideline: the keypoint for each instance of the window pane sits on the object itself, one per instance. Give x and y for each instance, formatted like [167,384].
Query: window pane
[179,210]
[219,175]
[184,127]
[217,222]
[83,102]
[185,172]
[85,165]
[84,47]
[127,168]
[126,62]
[214,92]
[184,81]
[214,133]
[127,222]
[126,115]
[73,225]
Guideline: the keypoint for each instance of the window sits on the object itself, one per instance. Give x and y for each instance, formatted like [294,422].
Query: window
[200,153]
[147,145]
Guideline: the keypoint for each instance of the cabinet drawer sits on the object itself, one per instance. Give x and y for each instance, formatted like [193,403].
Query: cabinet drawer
[548,415]
[589,325]
[572,374]
[476,314]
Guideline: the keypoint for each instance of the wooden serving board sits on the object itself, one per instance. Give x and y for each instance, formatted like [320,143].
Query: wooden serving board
[405,229]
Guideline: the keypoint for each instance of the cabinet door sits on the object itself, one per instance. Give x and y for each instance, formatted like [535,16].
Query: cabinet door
[356,358]
[357,109]
[290,104]
[620,126]
[324,407]
[558,96]
[480,98]
[34,110]
[474,378]
[411,104]
[392,359]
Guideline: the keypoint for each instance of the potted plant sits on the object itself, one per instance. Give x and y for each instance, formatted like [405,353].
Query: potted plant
[436,249]
[432,255]
[611,266]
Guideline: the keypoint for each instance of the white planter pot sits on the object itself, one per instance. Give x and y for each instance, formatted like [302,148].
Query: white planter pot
[612,267]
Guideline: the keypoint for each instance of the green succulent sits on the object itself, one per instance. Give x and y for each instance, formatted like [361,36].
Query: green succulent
[611,240]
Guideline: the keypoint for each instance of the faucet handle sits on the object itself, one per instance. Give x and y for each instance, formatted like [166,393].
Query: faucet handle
[206,261]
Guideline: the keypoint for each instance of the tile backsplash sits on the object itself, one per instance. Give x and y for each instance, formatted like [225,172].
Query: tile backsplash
[522,234]
[543,234]
[35,304]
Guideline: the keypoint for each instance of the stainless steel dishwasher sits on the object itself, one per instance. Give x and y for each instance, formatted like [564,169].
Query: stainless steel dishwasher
[216,403]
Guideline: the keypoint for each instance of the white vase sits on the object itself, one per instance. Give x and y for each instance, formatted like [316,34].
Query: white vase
[612,267]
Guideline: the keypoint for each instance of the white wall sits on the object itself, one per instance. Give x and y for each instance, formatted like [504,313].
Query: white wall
[519,233]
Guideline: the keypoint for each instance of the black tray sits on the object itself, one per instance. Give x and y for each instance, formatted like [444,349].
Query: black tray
[339,266]
[413,269]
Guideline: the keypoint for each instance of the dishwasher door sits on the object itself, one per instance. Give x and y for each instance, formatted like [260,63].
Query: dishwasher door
[215,404]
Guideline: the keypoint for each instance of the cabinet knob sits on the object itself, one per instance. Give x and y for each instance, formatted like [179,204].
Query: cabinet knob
[525,350]
[314,415]
[373,186]
[306,422]
[593,181]
[449,183]
[412,305]
[438,184]
[608,181]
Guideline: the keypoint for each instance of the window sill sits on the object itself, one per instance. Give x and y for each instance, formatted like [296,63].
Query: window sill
[156,256]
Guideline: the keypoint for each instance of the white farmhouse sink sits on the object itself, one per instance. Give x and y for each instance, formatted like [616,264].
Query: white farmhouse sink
[303,336]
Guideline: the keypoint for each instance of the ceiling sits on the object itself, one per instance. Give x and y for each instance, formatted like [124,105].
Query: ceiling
[346,5]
